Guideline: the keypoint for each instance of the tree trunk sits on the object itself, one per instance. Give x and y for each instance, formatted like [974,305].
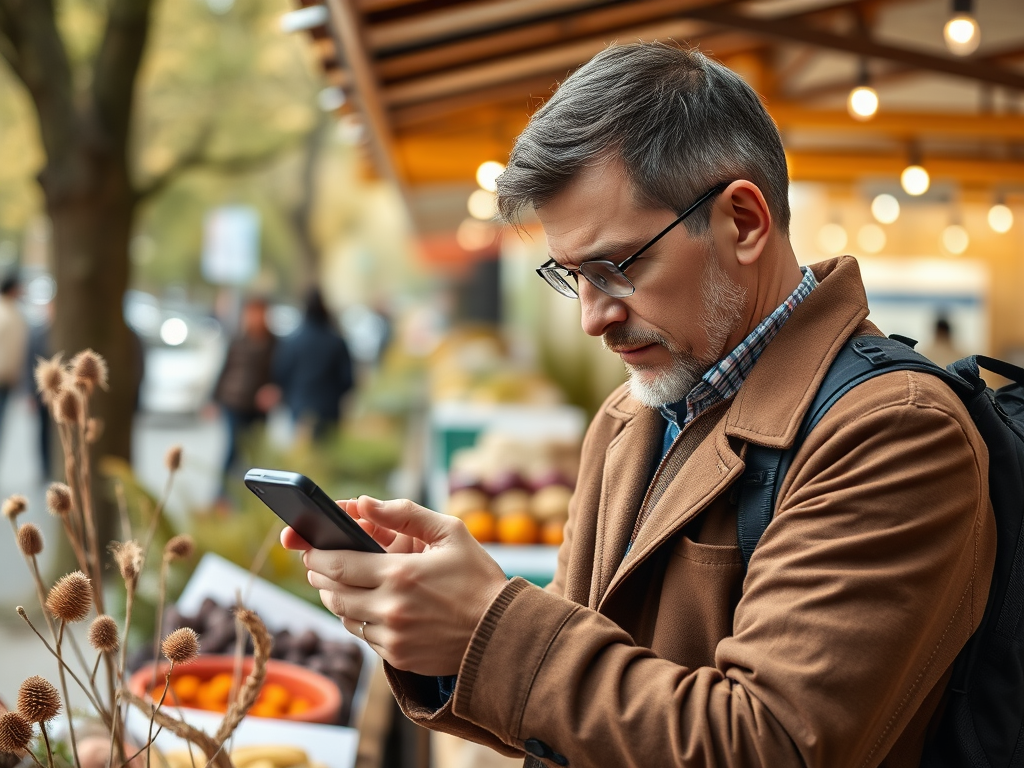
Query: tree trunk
[91,204]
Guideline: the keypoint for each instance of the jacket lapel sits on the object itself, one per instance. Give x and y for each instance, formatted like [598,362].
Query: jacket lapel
[710,469]
[629,462]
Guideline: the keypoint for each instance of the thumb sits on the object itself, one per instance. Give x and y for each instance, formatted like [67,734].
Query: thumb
[405,517]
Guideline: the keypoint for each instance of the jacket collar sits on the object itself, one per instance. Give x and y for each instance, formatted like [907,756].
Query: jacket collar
[763,412]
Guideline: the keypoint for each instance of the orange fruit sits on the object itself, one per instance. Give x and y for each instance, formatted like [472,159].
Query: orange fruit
[482,525]
[518,528]
[298,706]
[185,687]
[264,709]
[552,532]
[275,695]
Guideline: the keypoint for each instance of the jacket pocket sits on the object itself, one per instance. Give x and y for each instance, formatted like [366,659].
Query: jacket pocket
[702,585]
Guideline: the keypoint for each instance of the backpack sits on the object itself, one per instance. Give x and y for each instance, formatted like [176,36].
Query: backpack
[982,725]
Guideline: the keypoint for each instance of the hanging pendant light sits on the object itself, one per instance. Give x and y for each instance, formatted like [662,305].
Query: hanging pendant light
[961,32]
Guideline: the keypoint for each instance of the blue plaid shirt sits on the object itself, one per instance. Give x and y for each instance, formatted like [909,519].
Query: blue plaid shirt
[727,376]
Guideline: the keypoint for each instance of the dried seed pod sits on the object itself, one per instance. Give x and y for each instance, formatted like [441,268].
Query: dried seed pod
[14,505]
[181,646]
[30,539]
[129,558]
[89,369]
[15,732]
[179,547]
[38,700]
[58,499]
[71,597]
[68,407]
[103,634]
[173,458]
[50,376]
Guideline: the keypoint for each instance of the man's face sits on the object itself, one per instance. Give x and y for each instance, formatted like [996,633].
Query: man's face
[685,308]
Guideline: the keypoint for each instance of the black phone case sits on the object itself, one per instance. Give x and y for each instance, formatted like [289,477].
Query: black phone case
[308,510]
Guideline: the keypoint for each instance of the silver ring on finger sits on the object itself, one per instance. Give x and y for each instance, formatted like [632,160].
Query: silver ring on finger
[362,630]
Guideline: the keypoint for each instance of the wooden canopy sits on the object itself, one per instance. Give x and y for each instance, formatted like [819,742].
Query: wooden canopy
[444,85]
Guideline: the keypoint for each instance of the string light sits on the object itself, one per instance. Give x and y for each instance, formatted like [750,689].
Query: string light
[1000,218]
[961,31]
[482,205]
[955,239]
[915,180]
[832,238]
[885,208]
[862,103]
[871,238]
[487,175]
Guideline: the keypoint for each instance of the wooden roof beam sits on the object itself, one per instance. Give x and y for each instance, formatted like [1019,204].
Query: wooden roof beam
[559,59]
[450,24]
[522,38]
[808,165]
[791,29]
[346,26]
[899,125]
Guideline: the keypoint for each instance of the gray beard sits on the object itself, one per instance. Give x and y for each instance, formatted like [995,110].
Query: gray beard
[722,305]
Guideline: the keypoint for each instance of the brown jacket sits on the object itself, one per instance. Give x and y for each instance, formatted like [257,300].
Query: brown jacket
[832,651]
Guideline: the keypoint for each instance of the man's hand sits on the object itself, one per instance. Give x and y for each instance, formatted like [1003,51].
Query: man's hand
[422,600]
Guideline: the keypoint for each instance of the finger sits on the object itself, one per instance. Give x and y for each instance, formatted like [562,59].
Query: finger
[291,540]
[364,632]
[403,516]
[343,566]
[346,602]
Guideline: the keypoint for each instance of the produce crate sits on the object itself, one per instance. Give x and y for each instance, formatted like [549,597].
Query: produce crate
[216,578]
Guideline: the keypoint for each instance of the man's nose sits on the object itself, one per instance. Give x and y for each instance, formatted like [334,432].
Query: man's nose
[598,310]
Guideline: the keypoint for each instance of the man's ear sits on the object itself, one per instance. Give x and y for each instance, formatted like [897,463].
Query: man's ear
[746,220]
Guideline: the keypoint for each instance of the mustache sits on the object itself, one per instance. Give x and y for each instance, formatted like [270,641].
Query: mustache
[624,337]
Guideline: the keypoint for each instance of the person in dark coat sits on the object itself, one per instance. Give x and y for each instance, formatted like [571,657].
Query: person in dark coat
[244,390]
[314,369]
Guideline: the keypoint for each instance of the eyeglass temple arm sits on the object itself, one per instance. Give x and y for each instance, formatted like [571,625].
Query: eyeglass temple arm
[703,198]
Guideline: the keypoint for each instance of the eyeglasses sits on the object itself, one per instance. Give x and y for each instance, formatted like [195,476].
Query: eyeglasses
[605,275]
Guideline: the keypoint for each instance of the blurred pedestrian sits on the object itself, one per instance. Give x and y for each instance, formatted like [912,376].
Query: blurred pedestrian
[13,340]
[314,369]
[942,351]
[39,348]
[244,390]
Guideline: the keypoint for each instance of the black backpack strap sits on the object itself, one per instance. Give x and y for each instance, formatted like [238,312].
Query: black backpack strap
[860,359]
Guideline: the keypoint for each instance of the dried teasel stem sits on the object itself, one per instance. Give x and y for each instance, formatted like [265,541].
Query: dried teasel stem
[177,548]
[64,688]
[163,695]
[262,644]
[85,467]
[40,587]
[24,616]
[210,747]
[173,462]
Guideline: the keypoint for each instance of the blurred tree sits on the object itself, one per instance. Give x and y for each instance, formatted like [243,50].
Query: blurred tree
[220,89]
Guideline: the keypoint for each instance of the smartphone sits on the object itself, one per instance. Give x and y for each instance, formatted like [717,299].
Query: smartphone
[308,510]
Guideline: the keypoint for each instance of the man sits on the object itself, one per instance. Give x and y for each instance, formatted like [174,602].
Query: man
[314,369]
[13,340]
[244,390]
[661,185]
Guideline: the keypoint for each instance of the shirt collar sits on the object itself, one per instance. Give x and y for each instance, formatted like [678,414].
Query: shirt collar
[724,379]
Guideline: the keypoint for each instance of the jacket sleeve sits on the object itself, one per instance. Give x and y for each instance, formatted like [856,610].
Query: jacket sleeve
[870,578]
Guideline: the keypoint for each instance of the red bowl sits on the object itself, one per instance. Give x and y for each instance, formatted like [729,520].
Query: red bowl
[322,694]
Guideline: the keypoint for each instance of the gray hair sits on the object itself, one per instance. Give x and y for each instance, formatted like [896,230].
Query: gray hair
[680,123]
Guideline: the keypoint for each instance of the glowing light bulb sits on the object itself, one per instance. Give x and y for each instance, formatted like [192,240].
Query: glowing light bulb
[955,239]
[862,103]
[173,331]
[962,34]
[1000,218]
[487,175]
[871,238]
[482,205]
[915,180]
[832,238]
[885,208]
